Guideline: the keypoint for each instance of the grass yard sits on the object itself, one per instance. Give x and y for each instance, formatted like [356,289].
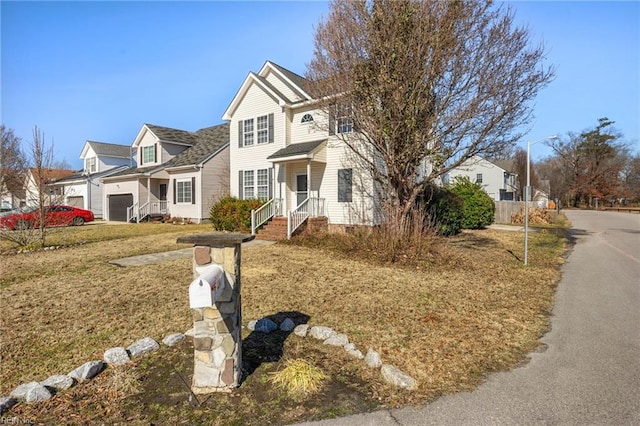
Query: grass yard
[446,320]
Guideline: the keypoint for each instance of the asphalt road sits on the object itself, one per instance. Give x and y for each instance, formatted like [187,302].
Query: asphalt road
[590,371]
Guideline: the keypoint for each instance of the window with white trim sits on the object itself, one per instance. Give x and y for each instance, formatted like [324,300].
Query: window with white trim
[263,184]
[344,119]
[148,154]
[183,191]
[263,129]
[307,118]
[248,189]
[479,178]
[90,165]
[248,132]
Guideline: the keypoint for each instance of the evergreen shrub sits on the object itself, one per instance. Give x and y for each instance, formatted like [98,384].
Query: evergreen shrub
[479,208]
[233,214]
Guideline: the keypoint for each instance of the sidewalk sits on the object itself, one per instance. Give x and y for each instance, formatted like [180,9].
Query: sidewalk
[151,258]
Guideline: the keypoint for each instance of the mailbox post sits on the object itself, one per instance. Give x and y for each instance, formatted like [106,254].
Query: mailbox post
[214,298]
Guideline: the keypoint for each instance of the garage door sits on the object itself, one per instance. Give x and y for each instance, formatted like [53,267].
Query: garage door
[118,205]
[76,202]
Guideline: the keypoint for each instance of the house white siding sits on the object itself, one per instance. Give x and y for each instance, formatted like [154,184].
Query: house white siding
[493,178]
[215,182]
[255,103]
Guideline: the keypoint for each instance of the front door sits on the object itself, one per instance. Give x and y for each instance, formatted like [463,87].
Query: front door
[163,192]
[301,189]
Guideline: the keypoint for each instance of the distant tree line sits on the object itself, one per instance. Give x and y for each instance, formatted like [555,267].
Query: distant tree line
[595,166]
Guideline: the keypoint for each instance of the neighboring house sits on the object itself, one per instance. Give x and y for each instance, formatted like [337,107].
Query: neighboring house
[284,151]
[541,194]
[497,178]
[33,185]
[178,173]
[85,189]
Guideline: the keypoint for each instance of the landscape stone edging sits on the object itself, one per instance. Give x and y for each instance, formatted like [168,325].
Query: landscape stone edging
[329,336]
[32,392]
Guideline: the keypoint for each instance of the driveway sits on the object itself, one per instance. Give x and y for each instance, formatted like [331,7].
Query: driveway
[590,372]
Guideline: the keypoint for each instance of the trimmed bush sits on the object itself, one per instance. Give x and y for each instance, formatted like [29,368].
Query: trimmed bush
[444,209]
[233,214]
[479,208]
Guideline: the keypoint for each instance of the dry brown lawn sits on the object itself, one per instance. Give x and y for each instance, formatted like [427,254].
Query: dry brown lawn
[447,323]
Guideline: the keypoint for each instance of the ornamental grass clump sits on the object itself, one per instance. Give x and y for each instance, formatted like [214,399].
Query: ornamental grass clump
[299,378]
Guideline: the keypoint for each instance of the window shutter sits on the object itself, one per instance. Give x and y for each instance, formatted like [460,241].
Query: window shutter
[175,190]
[240,184]
[193,190]
[271,183]
[155,153]
[271,128]
[240,123]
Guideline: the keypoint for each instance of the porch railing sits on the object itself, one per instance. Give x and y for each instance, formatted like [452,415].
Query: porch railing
[139,212]
[271,208]
[132,212]
[297,217]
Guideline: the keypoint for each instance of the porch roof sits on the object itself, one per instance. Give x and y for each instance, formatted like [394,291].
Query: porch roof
[296,151]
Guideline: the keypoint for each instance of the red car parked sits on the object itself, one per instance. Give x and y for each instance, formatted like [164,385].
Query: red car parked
[56,215]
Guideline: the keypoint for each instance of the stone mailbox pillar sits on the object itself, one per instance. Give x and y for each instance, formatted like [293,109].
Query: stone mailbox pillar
[217,338]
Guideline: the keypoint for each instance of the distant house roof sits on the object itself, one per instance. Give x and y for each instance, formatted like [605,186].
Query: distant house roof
[507,165]
[167,134]
[110,149]
[204,143]
[209,141]
[50,175]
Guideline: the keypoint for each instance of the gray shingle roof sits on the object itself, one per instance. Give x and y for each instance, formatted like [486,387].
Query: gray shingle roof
[508,165]
[205,142]
[295,149]
[110,149]
[168,134]
[209,140]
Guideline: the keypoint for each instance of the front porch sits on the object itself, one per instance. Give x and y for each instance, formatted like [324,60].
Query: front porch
[151,201]
[299,171]
[277,225]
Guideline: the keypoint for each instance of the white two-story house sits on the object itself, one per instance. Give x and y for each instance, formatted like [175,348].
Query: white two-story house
[497,179]
[84,189]
[284,151]
[179,173]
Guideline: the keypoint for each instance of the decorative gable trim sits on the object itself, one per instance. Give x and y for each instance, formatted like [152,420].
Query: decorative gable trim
[252,79]
[276,69]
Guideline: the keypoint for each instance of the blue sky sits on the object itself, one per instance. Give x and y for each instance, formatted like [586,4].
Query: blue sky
[99,70]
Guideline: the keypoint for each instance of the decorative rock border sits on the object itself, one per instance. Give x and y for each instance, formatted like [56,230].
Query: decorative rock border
[34,392]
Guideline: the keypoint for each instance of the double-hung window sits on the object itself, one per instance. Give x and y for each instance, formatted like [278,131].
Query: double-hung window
[183,191]
[148,154]
[248,132]
[256,131]
[263,129]
[249,191]
[479,178]
[263,184]
[91,165]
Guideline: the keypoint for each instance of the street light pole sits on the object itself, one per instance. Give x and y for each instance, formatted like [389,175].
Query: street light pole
[527,196]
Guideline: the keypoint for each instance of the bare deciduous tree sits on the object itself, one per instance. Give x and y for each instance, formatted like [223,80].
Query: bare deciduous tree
[41,161]
[13,165]
[426,84]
